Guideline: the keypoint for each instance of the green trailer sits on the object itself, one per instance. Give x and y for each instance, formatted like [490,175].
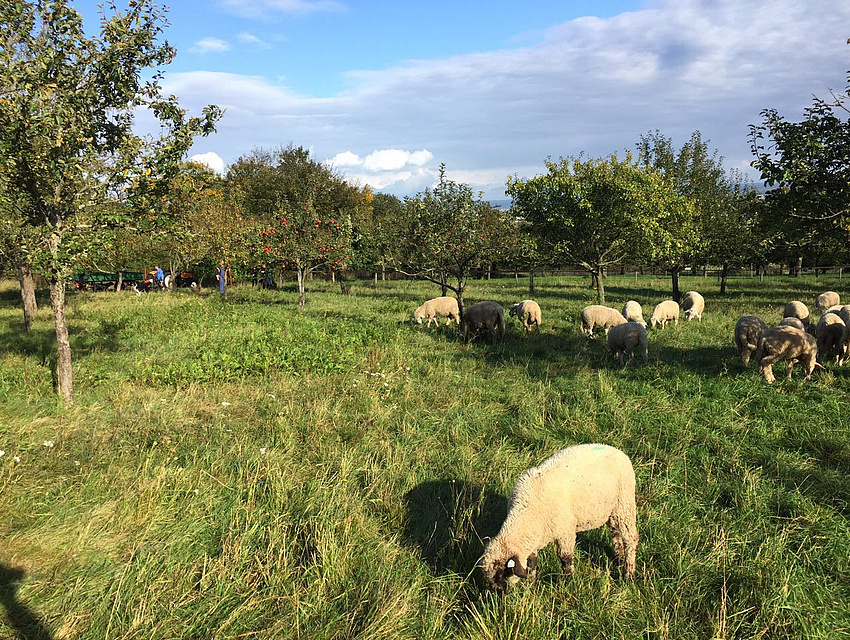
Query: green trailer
[107,281]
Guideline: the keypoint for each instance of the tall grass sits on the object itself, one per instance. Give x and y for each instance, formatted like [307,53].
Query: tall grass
[246,470]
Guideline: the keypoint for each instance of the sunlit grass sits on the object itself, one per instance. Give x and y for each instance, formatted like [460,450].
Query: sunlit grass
[243,469]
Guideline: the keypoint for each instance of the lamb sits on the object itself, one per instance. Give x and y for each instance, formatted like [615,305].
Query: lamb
[527,312]
[443,307]
[485,315]
[693,304]
[633,312]
[663,313]
[577,489]
[749,331]
[792,322]
[826,300]
[830,337]
[597,315]
[626,338]
[791,345]
[796,309]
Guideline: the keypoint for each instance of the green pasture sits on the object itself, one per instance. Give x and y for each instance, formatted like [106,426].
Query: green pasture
[241,469]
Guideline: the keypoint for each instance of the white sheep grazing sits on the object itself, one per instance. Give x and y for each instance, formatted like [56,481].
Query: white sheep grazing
[693,304]
[628,338]
[826,300]
[787,344]
[485,315]
[527,312]
[663,313]
[830,337]
[577,489]
[796,309]
[442,307]
[633,312]
[749,331]
[597,315]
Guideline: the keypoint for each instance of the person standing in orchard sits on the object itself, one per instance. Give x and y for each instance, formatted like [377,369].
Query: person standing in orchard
[221,276]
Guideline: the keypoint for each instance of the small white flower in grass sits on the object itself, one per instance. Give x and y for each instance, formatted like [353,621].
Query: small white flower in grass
[48,444]
[16,459]
[225,404]
[2,453]
[263,450]
[271,395]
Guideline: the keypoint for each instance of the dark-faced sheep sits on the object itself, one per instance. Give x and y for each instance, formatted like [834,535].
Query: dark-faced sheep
[790,345]
[486,315]
[432,310]
[749,331]
[577,489]
[597,315]
[527,312]
[830,337]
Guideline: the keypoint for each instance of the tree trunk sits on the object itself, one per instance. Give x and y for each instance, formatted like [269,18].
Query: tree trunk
[64,373]
[798,267]
[531,282]
[119,285]
[302,298]
[27,294]
[674,272]
[723,273]
[600,285]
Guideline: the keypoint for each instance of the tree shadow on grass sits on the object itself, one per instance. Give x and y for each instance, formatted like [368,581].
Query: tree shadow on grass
[41,343]
[25,623]
[448,522]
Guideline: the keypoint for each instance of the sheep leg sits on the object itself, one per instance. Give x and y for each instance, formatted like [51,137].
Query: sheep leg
[624,539]
[766,367]
[565,546]
[790,367]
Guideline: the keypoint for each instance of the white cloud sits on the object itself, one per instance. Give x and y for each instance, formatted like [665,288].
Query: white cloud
[210,159]
[251,39]
[210,45]
[420,158]
[386,160]
[591,85]
[345,159]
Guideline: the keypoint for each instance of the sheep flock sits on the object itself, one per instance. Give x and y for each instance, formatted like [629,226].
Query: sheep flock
[587,486]
[797,338]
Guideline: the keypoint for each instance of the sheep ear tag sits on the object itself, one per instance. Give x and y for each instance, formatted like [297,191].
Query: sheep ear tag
[516,568]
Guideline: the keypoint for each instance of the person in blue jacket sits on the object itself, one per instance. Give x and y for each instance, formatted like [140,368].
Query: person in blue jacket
[221,276]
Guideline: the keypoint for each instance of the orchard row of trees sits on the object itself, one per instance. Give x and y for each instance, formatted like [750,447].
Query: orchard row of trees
[81,189]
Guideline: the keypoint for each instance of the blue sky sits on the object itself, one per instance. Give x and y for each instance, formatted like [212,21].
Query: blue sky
[386,91]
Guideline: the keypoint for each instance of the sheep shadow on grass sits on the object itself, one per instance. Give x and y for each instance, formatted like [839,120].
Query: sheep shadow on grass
[448,521]
[18,615]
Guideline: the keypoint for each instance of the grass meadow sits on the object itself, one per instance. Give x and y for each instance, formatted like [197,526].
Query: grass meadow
[246,470]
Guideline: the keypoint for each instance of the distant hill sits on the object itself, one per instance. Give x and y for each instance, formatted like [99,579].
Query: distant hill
[503,204]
